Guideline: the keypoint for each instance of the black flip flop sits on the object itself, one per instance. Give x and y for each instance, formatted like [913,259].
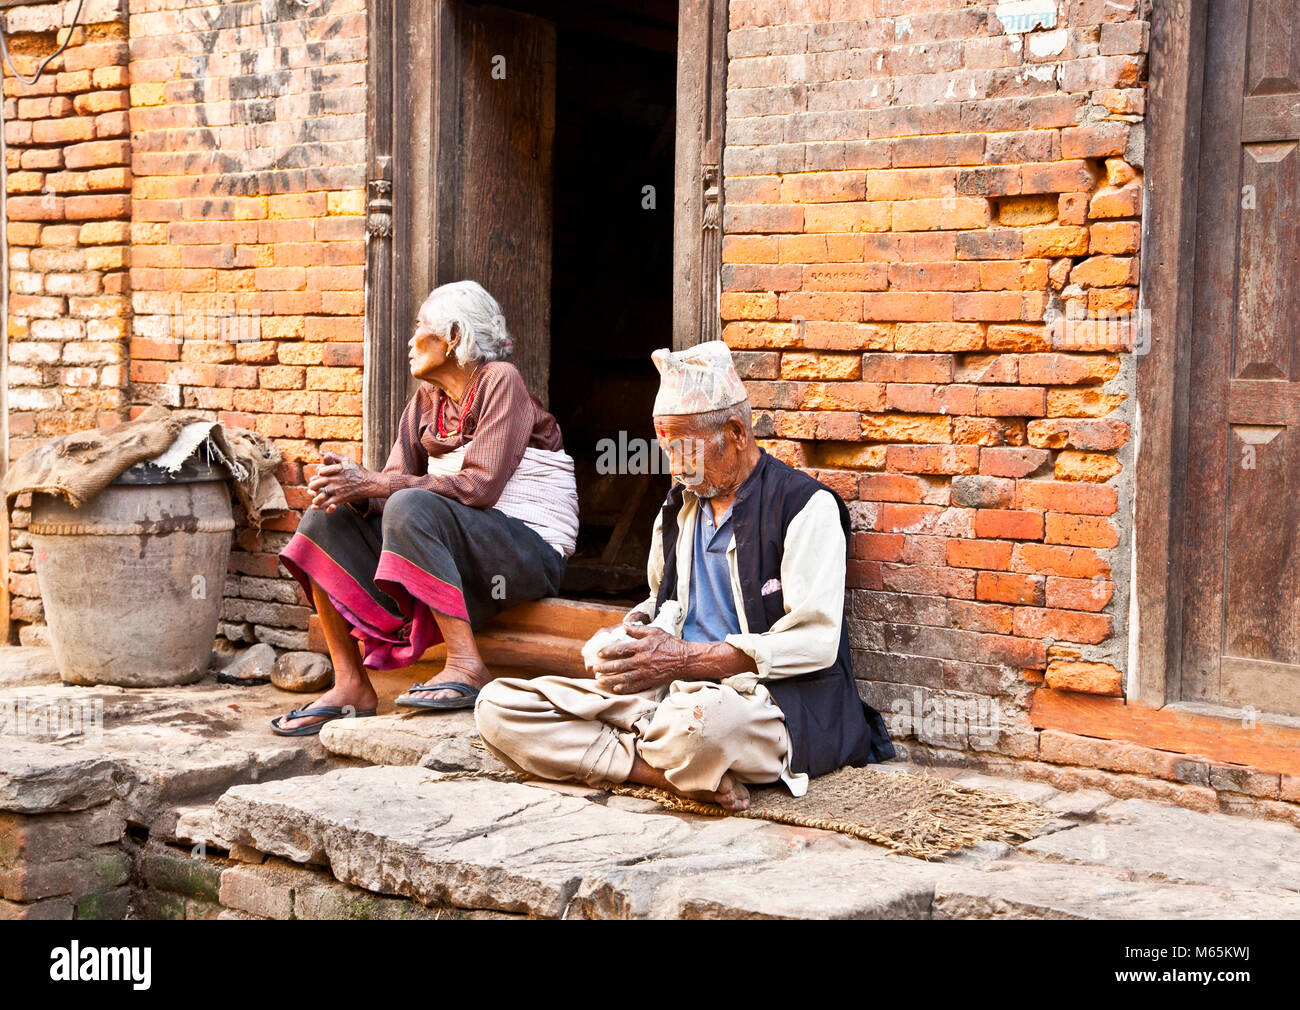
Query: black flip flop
[332,712]
[466,699]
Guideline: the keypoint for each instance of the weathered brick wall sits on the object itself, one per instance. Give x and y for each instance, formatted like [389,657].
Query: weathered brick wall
[68,209]
[221,148]
[248,252]
[930,261]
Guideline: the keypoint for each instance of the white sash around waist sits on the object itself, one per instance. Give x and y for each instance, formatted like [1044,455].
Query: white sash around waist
[541,493]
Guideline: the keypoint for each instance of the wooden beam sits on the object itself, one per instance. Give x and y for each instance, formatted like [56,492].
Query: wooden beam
[1168,262]
[1263,746]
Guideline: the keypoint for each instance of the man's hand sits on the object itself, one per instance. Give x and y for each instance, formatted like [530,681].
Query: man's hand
[654,658]
[340,481]
[635,618]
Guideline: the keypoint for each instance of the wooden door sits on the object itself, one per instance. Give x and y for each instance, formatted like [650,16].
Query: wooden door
[698,197]
[460,183]
[1241,604]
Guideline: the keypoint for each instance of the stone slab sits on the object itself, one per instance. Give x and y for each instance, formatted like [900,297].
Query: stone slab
[473,843]
[1170,843]
[44,778]
[402,738]
[1029,890]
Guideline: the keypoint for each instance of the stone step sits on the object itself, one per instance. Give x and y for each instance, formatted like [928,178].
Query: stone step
[573,852]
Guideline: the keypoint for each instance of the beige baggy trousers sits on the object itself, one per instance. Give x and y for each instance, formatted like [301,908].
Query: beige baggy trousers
[692,731]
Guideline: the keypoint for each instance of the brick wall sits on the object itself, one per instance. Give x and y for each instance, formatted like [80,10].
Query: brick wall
[238,194]
[930,265]
[68,209]
[248,248]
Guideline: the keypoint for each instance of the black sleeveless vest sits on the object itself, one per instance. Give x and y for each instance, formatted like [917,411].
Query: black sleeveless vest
[830,726]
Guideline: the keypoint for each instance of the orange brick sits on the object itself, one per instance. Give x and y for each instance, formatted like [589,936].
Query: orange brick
[1067,496]
[1011,401]
[939,336]
[1008,524]
[931,458]
[1047,559]
[877,546]
[1115,237]
[986,554]
[748,305]
[930,399]
[1018,338]
[749,249]
[823,187]
[948,214]
[846,217]
[1079,594]
[926,368]
[1105,272]
[1080,531]
[1062,625]
[997,587]
[919,428]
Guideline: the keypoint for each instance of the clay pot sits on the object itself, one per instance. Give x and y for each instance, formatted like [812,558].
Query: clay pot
[132,581]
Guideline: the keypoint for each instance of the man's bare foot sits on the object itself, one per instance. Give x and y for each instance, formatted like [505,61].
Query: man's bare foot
[731,793]
[465,671]
[360,700]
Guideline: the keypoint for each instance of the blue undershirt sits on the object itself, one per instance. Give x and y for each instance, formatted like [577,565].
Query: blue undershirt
[712,614]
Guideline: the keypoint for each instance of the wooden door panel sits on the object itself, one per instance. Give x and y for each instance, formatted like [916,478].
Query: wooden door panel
[1269,252]
[498,112]
[1241,606]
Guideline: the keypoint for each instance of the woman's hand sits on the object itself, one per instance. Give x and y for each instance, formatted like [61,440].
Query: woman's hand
[339,481]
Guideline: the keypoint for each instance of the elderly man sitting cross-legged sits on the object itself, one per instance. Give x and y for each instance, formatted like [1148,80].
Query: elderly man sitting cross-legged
[758,687]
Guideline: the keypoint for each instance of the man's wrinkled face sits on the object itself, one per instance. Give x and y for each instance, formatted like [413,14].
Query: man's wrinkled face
[702,460]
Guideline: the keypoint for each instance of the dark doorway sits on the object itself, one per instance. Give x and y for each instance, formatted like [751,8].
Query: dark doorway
[612,272]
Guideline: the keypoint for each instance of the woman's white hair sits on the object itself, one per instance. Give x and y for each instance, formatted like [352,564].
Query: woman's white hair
[477,318]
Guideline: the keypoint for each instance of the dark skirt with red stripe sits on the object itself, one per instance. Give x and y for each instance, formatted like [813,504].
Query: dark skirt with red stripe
[427,553]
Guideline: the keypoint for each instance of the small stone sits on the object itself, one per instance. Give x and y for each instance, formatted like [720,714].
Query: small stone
[224,652]
[252,666]
[302,671]
[35,636]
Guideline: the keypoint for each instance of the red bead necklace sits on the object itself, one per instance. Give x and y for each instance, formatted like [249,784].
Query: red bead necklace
[469,402]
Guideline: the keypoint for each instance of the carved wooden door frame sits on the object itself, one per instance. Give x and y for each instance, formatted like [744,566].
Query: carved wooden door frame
[402,144]
[1178,42]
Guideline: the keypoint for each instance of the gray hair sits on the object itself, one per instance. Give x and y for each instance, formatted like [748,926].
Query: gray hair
[477,318]
[713,420]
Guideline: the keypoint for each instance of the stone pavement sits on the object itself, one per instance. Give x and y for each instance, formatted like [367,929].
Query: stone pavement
[375,819]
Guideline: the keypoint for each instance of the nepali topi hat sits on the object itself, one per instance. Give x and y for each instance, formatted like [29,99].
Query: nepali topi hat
[697,380]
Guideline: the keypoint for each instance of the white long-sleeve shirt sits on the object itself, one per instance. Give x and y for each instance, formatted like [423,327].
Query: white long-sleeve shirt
[807,638]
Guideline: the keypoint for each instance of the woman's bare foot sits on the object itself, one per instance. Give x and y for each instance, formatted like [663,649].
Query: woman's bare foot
[465,671]
[360,699]
[731,793]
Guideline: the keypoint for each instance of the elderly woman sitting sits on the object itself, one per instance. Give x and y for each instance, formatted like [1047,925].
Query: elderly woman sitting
[475,511]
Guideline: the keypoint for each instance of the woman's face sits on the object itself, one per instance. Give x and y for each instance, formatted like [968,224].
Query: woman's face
[428,352]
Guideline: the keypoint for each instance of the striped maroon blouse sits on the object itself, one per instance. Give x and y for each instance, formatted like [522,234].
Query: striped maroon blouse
[504,420]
